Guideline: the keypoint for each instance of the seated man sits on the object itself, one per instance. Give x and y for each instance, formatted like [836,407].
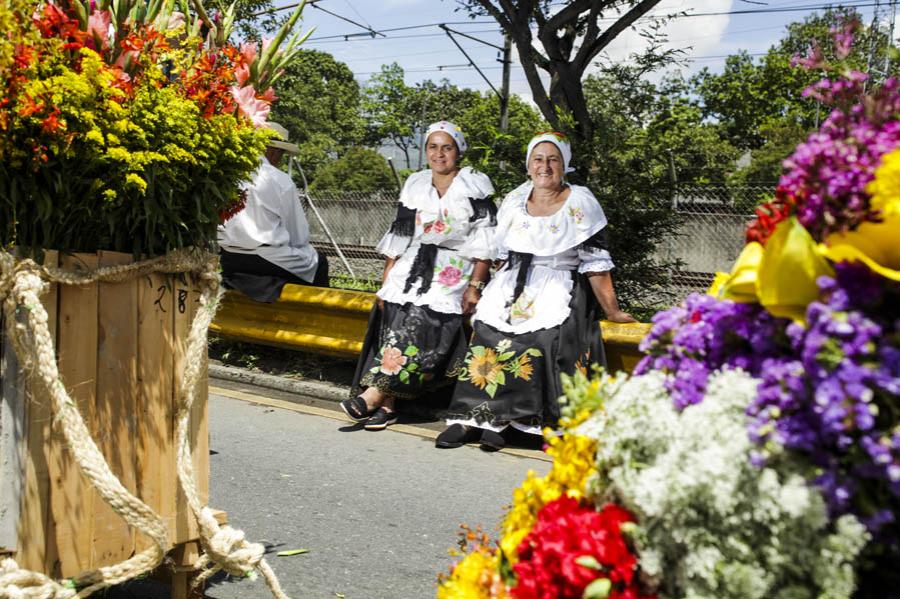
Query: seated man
[266,245]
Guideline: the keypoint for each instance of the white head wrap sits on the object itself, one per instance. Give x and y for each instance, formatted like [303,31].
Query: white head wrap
[558,140]
[451,130]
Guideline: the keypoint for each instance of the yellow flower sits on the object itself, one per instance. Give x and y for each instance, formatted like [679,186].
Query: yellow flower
[716,288]
[573,465]
[483,369]
[885,187]
[525,367]
[877,245]
[476,576]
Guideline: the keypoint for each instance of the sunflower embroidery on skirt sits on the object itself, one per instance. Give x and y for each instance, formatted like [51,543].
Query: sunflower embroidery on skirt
[394,362]
[488,367]
[451,274]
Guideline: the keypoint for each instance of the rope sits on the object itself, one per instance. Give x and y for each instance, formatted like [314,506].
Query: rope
[22,282]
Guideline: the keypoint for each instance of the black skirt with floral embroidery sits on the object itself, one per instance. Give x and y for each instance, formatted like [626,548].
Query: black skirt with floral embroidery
[504,378]
[407,350]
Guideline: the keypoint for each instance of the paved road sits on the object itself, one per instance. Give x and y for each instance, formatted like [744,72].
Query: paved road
[377,510]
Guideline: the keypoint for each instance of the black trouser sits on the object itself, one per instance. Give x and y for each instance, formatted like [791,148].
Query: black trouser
[261,280]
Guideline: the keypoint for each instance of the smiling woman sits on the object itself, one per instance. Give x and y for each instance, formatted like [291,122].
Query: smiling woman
[538,316]
[438,253]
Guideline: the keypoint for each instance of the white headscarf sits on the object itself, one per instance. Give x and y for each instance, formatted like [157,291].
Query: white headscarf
[558,140]
[451,130]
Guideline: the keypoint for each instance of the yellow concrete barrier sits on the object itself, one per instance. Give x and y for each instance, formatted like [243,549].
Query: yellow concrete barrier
[333,322]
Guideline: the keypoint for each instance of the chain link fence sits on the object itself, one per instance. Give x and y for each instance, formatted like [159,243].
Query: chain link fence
[712,223]
[346,226]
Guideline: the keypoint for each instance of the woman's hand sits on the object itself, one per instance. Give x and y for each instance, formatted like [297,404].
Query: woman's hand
[620,316]
[470,299]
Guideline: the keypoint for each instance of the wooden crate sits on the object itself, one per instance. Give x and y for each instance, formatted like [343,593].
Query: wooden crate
[120,350]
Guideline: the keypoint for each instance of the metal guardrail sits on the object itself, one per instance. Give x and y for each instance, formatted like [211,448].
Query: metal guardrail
[333,322]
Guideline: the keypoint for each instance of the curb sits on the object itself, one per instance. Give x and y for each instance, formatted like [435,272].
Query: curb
[317,390]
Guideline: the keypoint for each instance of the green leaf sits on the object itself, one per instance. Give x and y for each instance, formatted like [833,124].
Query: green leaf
[411,350]
[506,356]
[412,367]
[477,350]
[533,351]
[491,389]
[404,376]
[501,378]
[599,589]
[374,369]
[290,552]
[589,561]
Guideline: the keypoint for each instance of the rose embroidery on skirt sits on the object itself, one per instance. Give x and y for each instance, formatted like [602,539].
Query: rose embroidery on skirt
[393,362]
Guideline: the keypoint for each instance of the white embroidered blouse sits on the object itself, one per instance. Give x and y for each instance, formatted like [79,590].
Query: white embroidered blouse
[557,243]
[452,223]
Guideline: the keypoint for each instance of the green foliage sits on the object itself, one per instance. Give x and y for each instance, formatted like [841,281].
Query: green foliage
[358,169]
[752,99]
[399,112]
[319,104]
[500,155]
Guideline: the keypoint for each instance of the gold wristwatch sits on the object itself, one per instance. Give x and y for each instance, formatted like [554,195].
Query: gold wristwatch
[479,285]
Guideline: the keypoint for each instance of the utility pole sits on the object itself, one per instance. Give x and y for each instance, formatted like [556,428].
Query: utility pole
[504,89]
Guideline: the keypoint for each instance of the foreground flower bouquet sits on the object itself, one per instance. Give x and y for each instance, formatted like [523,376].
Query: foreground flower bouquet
[755,451]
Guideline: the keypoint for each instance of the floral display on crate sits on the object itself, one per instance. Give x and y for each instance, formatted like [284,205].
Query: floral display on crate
[128,125]
[755,450]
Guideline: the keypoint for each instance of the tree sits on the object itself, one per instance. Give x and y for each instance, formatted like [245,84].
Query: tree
[358,169]
[500,155]
[644,126]
[399,112]
[748,95]
[319,103]
[571,38]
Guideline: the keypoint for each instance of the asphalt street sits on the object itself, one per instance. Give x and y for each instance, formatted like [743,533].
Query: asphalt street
[377,511]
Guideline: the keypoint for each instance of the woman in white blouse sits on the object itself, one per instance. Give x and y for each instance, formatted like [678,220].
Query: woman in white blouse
[438,254]
[538,316]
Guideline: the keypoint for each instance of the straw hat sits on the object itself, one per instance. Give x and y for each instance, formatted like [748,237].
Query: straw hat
[282,143]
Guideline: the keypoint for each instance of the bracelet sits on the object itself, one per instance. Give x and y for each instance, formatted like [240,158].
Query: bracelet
[479,285]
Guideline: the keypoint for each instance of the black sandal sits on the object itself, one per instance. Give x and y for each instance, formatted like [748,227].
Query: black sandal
[356,409]
[457,435]
[491,441]
[380,420]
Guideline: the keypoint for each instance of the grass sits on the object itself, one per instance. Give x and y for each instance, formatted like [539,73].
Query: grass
[348,282]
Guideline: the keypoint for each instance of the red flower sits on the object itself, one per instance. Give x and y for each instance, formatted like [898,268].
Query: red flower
[571,546]
[770,214]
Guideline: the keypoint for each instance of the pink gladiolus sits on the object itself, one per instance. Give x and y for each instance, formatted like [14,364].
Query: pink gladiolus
[241,74]
[255,110]
[248,51]
[176,20]
[269,95]
[98,27]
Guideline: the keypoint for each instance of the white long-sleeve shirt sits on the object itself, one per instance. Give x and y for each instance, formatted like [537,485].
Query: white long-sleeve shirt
[272,224]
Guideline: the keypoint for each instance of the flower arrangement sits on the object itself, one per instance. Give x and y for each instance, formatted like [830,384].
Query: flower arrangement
[755,451]
[127,125]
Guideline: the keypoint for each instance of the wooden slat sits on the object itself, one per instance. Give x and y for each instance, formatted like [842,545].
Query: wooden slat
[185,524]
[200,417]
[156,476]
[112,539]
[71,497]
[37,546]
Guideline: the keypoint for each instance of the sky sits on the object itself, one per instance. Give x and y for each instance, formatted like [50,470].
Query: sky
[426,52]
